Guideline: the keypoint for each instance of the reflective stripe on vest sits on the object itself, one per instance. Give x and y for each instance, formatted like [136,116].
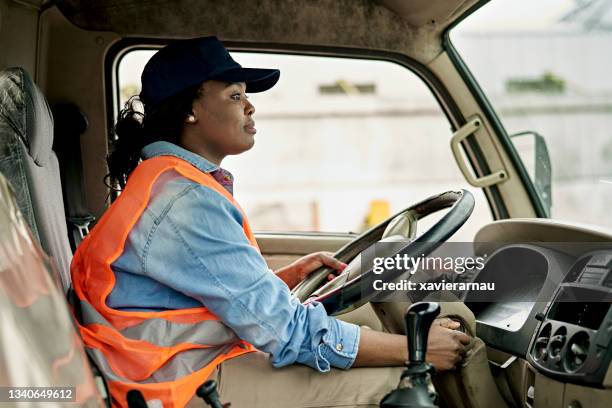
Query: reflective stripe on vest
[166,355]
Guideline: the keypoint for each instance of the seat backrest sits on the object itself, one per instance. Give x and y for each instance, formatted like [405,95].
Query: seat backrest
[29,163]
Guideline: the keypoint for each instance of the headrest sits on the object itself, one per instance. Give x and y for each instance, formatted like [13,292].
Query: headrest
[70,124]
[25,108]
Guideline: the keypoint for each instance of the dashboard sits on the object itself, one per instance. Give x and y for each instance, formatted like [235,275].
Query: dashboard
[552,299]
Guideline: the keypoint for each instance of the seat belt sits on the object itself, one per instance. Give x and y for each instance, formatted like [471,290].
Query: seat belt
[79,227]
[69,125]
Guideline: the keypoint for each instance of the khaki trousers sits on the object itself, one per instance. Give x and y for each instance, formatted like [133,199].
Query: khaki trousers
[250,381]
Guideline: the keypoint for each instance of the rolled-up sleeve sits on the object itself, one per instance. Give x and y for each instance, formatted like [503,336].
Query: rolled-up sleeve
[199,248]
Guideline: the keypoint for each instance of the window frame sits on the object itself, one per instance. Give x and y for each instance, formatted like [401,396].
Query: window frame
[447,104]
[489,112]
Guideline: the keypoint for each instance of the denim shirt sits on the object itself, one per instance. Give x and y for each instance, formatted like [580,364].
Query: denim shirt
[189,249]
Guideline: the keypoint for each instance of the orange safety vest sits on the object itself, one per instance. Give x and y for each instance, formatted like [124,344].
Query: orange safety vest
[166,355]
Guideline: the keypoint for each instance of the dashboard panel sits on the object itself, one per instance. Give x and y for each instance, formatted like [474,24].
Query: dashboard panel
[553,296]
[526,277]
[574,340]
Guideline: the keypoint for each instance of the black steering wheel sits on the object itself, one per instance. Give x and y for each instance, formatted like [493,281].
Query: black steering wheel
[346,292]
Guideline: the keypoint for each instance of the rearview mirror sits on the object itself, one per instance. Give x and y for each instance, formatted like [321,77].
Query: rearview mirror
[532,149]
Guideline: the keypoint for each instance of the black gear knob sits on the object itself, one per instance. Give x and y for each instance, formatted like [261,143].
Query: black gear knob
[413,391]
[418,320]
[208,392]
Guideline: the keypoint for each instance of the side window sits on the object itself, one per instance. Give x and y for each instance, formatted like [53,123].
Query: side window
[342,144]
[546,71]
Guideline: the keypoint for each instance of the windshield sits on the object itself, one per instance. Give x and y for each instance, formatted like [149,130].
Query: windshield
[545,68]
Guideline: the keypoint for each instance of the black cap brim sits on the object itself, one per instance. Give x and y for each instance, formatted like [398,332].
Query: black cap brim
[256,79]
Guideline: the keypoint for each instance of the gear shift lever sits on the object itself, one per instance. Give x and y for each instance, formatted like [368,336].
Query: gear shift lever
[418,320]
[413,391]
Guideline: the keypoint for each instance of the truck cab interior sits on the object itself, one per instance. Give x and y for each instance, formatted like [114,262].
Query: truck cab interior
[380,119]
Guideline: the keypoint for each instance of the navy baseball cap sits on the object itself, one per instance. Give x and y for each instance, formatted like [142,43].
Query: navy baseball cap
[185,63]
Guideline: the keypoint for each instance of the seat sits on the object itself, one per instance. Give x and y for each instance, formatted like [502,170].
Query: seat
[29,163]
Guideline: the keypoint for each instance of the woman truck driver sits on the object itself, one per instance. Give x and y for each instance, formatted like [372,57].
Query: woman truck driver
[172,287]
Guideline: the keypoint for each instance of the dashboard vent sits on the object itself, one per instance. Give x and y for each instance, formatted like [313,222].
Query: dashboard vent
[592,276]
[540,348]
[577,351]
[608,281]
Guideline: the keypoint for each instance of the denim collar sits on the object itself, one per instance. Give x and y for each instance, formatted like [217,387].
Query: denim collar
[162,148]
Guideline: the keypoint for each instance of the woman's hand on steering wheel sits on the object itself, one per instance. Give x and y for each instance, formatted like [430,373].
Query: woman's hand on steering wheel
[348,291]
[297,271]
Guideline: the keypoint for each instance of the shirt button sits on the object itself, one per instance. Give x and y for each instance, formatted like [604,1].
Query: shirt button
[339,347]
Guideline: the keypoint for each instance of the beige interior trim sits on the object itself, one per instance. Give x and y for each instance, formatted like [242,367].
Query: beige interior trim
[586,397]
[76,74]
[607,382]
[472,125]
[288,244]
[18,25]
[427,12]
[515,197]
[513,380]
[32,4]
[543,231]
[549,393]
[410,27]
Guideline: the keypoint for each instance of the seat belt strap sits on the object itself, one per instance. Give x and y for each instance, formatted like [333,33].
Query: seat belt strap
[79,227]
